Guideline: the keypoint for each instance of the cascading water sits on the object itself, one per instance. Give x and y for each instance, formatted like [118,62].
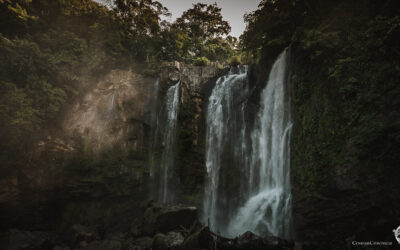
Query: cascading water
[268,209]
[154,122]
[110,113]
[111,104]
[225,136]
[255,159]
[167,161]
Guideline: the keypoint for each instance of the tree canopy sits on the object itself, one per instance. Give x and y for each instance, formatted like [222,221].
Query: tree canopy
[201,32]
[203,21]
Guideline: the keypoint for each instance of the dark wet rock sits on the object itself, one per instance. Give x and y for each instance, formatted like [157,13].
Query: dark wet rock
[61,248]
[201,239]
[104,245]
[170,240]
[137,227]
[144,242]
[193,78]
[333,220]
[166,218]
[251,241]
[18,240]
[159,242]
[205,239]
[144,205]
[187,234]
[117,236]
[80,234]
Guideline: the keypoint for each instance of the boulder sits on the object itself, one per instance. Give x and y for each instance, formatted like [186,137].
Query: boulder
[61,248]
[144,242]
[165,218]
[201,239]
[205,239]
[170,240]
[82,234]
[137,227]
[144,205]
[251,241]
[104,245]
[29,240]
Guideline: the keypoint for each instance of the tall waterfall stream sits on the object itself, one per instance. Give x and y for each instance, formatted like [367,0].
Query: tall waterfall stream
[248,169]
[167,161]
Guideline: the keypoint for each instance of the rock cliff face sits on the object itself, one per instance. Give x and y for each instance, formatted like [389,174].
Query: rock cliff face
[336,199]
[193,78]
[101,138]
[196,85]
[117,110]
[92,167]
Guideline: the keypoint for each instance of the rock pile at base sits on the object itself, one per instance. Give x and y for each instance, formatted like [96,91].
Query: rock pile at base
[162,227]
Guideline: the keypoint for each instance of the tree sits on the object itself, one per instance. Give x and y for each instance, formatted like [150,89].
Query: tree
[203,28]
[14,16]
[272,25]
[142,16]
[204,22]
[142,22]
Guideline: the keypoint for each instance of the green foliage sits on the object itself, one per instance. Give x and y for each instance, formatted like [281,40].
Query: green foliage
[199,33]
[201,61]
[234,61]
[141,21]
[46,56]
[203,21]
[271,26]
[218,49]
[14,16]
[346,70]
[112,162]
[190,156]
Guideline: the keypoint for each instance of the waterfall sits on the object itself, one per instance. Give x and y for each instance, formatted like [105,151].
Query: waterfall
[268,209]
[154,122]
[111,104]
[252,156]
[167,161]
[225,136]
[110,113]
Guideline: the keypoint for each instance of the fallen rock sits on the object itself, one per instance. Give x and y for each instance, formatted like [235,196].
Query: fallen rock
[61,248]
[144,242]
[202,239]
[250,241]
[205,239]
[29,240]
[137,227]
[167,241]
[104,245]
[146,204]
[80,235]
[166,218]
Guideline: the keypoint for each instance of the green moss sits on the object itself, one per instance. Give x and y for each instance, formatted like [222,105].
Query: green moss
[189,157]
[234,61]
[346,108]
[201,61]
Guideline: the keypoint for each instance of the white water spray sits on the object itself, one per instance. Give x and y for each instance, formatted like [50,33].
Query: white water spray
[269,207]
[262,170]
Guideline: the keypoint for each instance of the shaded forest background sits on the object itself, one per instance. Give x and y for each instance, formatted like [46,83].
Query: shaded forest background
[50,49]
